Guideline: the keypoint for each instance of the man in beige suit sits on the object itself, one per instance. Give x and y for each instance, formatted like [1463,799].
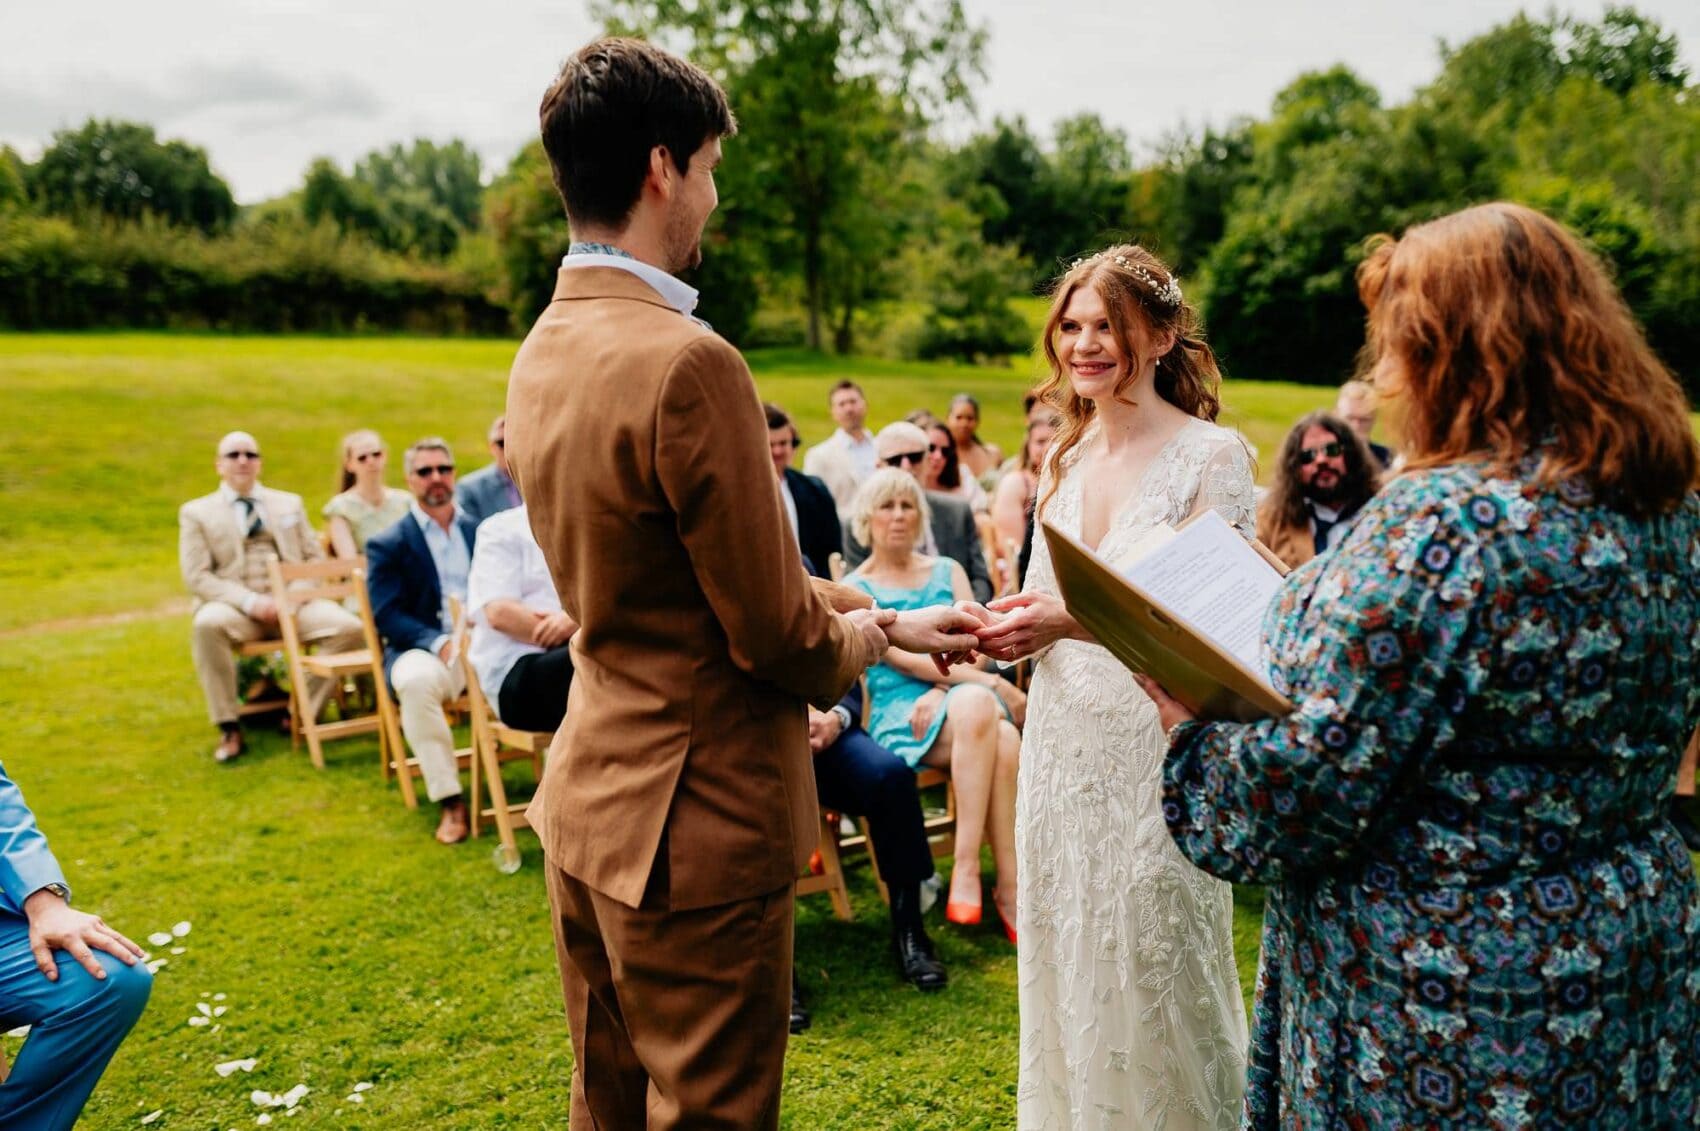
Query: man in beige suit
[225,542]
[679,802]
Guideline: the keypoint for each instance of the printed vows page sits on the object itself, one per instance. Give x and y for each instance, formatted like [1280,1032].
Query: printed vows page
[1209,576]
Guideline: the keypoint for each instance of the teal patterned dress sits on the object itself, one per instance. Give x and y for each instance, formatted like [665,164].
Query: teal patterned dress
[892,694]
[1477,916]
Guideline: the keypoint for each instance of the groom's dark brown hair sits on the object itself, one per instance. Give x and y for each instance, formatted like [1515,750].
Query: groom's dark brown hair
[614,101]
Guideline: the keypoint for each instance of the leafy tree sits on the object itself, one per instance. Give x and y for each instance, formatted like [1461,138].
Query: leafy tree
[819,86]
[14,193]
[1624,50]
[121,169]
[968,285]
[523,213]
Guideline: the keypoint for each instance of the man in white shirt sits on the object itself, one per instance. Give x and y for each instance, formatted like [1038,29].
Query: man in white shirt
[225,544]
[520,636]
[846,458]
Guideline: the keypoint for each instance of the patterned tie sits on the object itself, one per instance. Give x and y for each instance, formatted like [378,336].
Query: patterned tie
[253,513]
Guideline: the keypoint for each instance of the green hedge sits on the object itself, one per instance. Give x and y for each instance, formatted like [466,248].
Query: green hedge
[271,277]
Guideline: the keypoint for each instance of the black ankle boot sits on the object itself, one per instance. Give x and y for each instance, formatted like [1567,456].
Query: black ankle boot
[800,1018]
[910,945]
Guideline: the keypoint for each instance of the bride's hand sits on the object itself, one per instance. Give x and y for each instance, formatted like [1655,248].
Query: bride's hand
[1028,623]
[1170,712]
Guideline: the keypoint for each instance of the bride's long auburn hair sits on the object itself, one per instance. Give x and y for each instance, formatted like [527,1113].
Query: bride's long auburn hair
[1130,281]
[1499,335]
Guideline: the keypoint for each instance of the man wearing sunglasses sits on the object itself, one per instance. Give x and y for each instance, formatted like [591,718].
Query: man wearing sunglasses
[414,567]
[1323,475]
[953,533]
[225,544]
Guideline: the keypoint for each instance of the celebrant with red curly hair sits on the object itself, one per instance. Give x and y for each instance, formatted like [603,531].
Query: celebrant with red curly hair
[1478,914]
[1130,999]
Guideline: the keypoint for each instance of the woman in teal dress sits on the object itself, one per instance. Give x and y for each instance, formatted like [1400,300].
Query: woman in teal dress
[1478,915]
[960,721]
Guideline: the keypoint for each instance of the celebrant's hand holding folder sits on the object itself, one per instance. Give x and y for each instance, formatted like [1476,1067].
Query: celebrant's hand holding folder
[1188,613]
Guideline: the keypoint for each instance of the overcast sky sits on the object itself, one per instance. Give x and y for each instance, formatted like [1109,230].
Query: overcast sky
[267,85]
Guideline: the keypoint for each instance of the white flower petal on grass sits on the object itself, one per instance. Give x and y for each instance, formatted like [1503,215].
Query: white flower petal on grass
[356,1098]
[160,938]
[363,1086]
[197,1021]
[231,1066]
[218,997]
[181,929]
[153,967]
[262,1119]
[179,950]
[220,1011]
[203,1008]
[295,1095]
[20,1031]
[153,1115]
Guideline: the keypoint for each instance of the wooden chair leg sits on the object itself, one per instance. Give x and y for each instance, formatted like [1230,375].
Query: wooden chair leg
[396,760]
[833,867]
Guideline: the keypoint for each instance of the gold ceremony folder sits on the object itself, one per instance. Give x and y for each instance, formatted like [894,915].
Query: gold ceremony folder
[1145,637]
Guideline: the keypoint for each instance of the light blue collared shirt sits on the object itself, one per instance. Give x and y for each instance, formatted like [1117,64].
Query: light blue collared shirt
[680,296]
[453,560]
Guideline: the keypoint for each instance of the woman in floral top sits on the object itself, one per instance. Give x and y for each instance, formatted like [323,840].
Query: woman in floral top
[1478,915]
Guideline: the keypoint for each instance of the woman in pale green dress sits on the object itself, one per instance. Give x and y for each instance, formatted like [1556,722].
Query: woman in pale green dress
[363,506]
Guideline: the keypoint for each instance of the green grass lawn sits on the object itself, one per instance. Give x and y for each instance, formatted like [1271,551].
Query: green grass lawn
[350,947]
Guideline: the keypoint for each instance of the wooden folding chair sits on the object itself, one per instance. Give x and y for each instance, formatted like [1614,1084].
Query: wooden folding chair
[494,743]
[830,878]
[293,585]
[251,705]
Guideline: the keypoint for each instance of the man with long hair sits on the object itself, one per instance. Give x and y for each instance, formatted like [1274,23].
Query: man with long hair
[1323,474]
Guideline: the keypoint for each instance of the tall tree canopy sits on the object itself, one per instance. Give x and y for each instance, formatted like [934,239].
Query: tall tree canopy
[122,170]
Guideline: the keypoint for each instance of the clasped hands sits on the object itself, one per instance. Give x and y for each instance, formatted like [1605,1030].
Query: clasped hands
[1006,630]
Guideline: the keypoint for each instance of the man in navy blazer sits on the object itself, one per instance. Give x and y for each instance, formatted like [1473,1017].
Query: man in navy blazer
[489,490]
[80,1003]
[413,568]
[853,773]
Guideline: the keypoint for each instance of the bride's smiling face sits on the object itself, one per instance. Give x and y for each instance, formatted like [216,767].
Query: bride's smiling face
[1087,346]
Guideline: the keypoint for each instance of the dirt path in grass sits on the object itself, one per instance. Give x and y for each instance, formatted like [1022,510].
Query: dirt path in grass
[173,608]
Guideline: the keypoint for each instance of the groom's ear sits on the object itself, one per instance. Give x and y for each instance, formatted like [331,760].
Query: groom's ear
[660,176]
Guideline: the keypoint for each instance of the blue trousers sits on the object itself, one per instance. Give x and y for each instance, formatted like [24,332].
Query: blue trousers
[76,1025]
[858,776]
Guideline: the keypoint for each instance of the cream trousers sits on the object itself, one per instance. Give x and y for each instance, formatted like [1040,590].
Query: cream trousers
[424,684]
[218,628]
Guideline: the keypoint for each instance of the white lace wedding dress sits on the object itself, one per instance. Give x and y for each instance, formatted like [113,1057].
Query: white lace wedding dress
[1131,1013]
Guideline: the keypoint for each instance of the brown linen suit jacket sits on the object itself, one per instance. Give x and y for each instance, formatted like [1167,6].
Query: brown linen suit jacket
[639,444]
[210,549]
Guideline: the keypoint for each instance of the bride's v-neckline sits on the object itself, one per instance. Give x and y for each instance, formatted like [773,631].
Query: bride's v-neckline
[1138,493]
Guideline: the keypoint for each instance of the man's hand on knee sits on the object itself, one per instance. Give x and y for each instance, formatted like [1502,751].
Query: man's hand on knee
[56,925]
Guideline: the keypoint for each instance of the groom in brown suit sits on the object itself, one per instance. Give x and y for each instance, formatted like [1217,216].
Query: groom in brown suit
[679,802]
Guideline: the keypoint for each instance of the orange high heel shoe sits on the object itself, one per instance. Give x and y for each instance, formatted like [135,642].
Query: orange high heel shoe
[1008,927]
[962,914]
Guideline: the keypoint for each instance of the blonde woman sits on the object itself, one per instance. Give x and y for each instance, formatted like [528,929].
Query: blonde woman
[960,722]
[363,505]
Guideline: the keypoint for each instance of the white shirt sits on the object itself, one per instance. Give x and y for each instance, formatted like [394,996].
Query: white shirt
[507,565]
[790,506]
[864,453]
[453,561]
[680,296]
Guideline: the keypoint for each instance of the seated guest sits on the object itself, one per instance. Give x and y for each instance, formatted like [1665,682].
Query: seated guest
[951,531]
[414,567]
[808,503]
[845,458]
[979,458]
[942,472]
[853,773]
[1323,475]
[79,1003]
[1033,407]
[225,544]
[519,640]
[489,490]
[960,722]
[1018,491]
[363,505]
[1356,406]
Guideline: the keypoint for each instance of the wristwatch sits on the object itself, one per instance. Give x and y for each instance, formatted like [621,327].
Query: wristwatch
[57,889]
[843,714]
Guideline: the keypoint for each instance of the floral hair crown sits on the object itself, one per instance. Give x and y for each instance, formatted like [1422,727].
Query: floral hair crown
[1167,292]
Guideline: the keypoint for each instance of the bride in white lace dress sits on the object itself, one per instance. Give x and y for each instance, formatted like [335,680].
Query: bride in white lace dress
[1131,1011]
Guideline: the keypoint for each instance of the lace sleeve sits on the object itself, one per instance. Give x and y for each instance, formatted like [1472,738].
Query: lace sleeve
[1224,486]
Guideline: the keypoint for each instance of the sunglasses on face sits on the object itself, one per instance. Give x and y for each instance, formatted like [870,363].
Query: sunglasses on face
[240,455]
[1330,450]
[364,456]
[902,458]
[434,469]
[503,444]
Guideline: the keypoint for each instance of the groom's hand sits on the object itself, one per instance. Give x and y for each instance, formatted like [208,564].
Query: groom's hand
[941,629]
[872,624]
